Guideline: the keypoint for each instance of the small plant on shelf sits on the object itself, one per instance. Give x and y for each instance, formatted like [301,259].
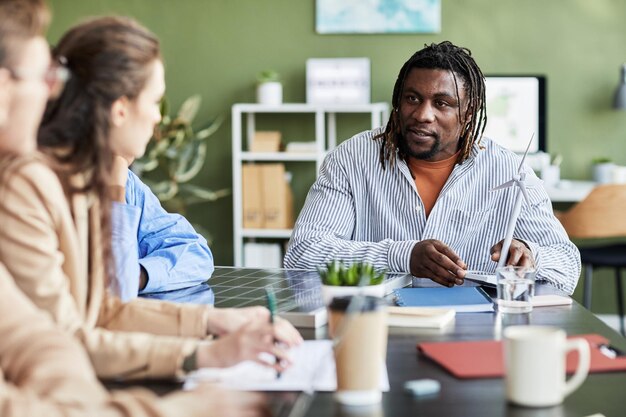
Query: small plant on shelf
[269,90]
[267,76]
[336,273]
[601,160]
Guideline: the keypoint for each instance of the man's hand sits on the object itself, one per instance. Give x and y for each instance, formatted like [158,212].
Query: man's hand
[519,254]
[435,260]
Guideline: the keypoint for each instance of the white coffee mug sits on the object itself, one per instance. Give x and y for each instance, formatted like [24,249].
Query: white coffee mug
[534,363]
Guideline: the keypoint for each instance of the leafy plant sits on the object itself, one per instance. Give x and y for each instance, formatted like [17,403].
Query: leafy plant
[175,155]
[601,160]
[267,76]
[336,273]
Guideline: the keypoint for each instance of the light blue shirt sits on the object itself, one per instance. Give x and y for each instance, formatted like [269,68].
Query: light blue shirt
[357,211]
[164,244]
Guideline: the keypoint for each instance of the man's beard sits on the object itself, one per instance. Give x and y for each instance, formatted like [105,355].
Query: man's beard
[426,155]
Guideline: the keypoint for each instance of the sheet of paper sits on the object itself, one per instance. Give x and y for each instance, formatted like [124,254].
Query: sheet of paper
[550,300]
[313,368]
[483,278]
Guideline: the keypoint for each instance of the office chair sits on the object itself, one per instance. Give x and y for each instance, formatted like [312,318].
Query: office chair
[600,216]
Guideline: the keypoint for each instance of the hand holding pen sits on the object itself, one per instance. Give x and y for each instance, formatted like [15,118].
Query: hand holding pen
[271,306]
[244,334]
[249,343]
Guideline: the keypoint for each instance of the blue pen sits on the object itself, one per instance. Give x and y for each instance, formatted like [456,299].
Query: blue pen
[271,306]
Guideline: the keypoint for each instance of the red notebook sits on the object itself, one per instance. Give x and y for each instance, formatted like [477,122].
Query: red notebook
[484,359]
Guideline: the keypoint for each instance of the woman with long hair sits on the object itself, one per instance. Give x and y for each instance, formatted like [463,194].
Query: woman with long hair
[60,253]
[44,371]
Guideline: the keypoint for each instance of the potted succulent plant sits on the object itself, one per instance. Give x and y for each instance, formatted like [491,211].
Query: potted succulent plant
[603,170]
[269,89]
[339,279]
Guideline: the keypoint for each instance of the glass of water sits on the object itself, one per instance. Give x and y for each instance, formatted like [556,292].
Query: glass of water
[516,288]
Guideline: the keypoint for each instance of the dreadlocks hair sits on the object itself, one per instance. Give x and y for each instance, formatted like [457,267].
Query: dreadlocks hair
[459,61]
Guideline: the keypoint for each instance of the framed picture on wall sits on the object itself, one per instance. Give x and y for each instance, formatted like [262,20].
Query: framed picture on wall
[516,110]
[377,16]
[338,80]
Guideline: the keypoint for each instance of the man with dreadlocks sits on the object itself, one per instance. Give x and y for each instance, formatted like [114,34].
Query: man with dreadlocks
[414,196]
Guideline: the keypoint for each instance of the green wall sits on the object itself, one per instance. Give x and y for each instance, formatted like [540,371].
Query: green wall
[216,48]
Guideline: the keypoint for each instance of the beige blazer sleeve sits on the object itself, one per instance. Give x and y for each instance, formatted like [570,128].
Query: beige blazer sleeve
[153,316]
[41,368]
[40,248]
[45,372]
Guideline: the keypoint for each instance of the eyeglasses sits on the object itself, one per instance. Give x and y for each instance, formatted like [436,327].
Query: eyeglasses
[55,77]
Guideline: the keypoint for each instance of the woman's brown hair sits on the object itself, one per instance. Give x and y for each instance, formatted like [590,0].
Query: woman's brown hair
[109,58]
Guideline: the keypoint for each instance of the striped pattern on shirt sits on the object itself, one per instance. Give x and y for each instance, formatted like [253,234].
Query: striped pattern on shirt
[358,211]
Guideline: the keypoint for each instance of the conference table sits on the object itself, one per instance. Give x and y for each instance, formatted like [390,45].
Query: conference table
[603,393]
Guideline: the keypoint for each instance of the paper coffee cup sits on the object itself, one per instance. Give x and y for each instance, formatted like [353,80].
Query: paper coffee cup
[358,324]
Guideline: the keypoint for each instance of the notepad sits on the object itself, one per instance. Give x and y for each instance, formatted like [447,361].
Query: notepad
[421,317]
[312,368]
[461,299]
[484,358]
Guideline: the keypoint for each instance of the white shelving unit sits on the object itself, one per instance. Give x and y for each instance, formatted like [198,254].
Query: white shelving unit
[325,139]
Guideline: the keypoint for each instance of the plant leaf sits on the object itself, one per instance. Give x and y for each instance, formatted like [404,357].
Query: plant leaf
[211,128]
[189,108]
[189,167]
[164,190]
[194,194]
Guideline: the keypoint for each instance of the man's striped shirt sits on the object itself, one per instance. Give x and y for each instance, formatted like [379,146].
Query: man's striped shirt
[358,211]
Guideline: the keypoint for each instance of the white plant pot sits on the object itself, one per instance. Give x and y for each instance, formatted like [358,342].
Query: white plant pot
[603,173]
[270,93]
[331,291]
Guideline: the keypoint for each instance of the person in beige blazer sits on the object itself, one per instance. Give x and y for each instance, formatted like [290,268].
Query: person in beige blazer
[59,253]
[44,371]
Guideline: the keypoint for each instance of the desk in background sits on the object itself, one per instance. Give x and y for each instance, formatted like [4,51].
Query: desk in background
[600,393]
[569,191]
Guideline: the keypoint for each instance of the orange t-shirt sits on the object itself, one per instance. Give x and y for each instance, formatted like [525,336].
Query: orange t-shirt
[430,177]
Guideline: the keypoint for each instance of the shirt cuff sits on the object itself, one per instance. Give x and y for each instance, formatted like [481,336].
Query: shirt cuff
[167,362]
[124,225]
[399,256]
[154,269]
[534,250]
[194,320]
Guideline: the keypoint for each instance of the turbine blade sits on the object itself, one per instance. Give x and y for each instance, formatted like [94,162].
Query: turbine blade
[525,153]
[505,185]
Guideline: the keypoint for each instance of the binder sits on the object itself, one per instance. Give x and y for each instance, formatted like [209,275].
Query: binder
[277,198]
[266,141]
[267,201]
[252,198]
[484,358]
[460,299]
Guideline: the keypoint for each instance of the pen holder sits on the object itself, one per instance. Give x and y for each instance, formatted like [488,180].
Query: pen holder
[358,324]
[551,175]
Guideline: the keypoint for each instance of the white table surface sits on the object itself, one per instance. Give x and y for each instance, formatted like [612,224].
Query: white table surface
[569,191]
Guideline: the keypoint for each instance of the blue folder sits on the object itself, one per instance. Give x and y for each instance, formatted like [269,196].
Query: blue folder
[461,299]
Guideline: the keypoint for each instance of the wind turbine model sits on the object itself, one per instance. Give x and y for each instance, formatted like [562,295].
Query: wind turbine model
[518,180]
